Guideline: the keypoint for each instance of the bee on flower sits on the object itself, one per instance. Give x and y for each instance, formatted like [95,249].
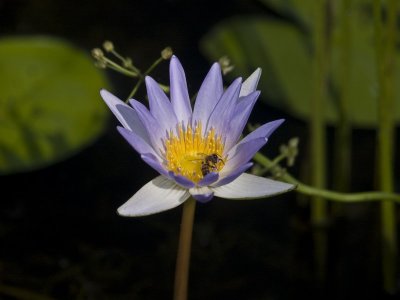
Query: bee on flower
[197,151]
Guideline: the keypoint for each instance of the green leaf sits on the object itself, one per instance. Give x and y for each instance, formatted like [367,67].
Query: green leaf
[49,102]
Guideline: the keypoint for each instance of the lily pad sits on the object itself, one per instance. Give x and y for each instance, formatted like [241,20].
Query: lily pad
[49,102]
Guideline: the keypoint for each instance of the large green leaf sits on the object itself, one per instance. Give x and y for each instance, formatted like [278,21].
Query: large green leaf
[284,53]
[49,102]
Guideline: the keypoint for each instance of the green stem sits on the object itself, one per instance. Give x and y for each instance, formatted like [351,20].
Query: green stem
[317,132]
[327,194]
[342,169]
[118,68]
[385,47]
[125,61]
[153,66]
[143,76]
[135,88]
[274,163]
[278,159]
[117,55]
[183,257]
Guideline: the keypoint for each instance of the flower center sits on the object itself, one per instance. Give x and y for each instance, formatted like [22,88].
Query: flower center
[192,154]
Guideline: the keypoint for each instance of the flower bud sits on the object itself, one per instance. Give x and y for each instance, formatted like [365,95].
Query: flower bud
[167,53]
[108,46]
[225,63]
[127,63]
[100,64]
[97,53]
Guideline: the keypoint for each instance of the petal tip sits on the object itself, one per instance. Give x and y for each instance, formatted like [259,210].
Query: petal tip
[122,211]
[216,65]
[150,84]
[125,212]
[104,93]
[174,60]
[278,122]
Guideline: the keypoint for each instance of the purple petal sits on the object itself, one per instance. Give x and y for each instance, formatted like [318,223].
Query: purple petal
[133,121]
[125,114]
[202,194]
[208,179]
[179,91]
[233,174]
[223,111]
[204,198]
[210,92]
[136,141]
[240,117]
[242,153]
[154,131]
[250,84]
[263,131]
[181,180]
[247,147]
[153,162]
[160,106]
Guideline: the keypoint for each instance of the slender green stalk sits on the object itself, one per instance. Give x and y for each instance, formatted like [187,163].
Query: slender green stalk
[126,62]
[142,77]
[385,47]
[342,169]
[327,194]
[317,134]
[118,68]
[183,257]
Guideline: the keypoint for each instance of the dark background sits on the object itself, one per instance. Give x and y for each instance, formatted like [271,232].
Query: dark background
[59,232]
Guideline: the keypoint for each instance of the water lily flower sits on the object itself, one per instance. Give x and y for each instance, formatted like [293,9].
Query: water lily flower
[198,152]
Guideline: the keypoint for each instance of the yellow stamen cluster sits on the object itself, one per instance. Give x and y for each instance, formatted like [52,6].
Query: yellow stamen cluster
[187,153]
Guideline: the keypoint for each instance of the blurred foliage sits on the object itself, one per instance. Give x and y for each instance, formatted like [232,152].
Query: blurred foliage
[49,102]
[282,47]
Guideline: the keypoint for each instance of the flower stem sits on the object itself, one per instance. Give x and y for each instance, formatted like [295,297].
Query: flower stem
[142,77]
[385,47]
[342,153]
[183,257]
[118,68]
[327,194]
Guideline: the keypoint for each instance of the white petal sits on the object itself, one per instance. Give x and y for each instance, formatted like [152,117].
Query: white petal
[248,186]
[250,84]
[156,196]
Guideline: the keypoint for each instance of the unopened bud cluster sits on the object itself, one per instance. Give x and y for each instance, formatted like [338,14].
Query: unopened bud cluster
[290,150]
[226,65]
[120,63]
[108,57]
